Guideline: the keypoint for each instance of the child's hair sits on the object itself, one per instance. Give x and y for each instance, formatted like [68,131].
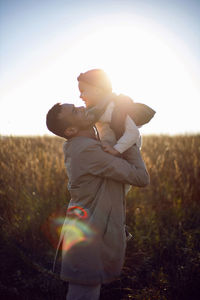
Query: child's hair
[98,78]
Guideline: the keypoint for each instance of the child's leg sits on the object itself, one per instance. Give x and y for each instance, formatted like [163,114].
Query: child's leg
[127,188]
[130,157]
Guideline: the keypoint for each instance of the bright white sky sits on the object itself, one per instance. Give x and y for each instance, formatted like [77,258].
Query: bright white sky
[150,50]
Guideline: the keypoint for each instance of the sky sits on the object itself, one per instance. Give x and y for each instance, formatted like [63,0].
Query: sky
[150,49]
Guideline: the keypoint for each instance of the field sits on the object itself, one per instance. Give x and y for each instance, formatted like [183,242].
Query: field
[163,258]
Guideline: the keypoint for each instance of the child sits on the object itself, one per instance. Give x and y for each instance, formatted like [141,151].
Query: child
[116,117]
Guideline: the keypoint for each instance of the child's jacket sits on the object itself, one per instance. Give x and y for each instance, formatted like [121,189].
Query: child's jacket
[139,113]
[123,107]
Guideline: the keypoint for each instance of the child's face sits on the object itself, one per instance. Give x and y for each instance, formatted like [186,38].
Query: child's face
[91,95]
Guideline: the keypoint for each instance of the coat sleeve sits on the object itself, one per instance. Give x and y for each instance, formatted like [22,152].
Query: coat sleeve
[130,137]
[100,163]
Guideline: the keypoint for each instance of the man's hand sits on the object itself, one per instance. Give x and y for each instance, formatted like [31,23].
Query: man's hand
[109,149]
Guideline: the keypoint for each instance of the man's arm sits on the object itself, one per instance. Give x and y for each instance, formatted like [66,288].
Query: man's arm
[100,163]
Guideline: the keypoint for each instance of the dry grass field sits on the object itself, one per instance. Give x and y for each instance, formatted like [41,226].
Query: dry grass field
[163,258]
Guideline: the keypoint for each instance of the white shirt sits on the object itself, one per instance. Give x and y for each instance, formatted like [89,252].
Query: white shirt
[131,134]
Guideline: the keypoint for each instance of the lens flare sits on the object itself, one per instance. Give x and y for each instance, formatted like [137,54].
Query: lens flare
[73,227]
[75,231]
[77,211]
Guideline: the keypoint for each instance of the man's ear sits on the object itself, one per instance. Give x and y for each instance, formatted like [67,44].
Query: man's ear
[71,131]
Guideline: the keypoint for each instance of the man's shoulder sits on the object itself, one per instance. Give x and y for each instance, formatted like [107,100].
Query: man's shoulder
[80,144]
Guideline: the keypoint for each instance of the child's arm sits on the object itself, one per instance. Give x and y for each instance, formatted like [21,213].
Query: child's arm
[130,137]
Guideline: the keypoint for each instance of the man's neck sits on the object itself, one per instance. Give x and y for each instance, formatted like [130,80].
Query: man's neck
[89,133]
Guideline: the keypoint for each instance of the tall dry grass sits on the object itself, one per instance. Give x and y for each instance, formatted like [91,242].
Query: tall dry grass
[163,259]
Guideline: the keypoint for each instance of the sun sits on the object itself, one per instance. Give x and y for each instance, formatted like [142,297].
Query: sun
[136,59]
[142,63]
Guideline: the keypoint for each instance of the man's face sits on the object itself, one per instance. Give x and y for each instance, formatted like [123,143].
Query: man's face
[91,95]
[75,116]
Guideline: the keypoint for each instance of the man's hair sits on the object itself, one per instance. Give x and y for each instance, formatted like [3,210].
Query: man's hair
[98,78]
[54,123]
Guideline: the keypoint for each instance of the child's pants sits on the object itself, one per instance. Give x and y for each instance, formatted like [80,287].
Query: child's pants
[83,292]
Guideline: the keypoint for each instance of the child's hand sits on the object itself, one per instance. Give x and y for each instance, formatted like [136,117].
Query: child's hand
[107,148]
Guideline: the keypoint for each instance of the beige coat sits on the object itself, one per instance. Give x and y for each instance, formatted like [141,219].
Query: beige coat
[93,238]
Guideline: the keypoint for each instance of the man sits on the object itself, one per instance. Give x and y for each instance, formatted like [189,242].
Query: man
[93,235]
